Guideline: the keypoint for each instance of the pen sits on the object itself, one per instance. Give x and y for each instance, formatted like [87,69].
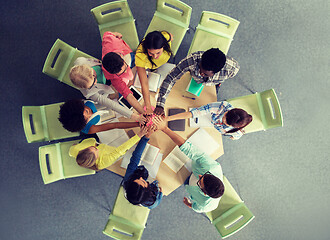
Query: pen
[189,97]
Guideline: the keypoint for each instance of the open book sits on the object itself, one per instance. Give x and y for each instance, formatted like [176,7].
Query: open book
[152,168]
[176,159]
[153,80]
[201,121]
[149,155]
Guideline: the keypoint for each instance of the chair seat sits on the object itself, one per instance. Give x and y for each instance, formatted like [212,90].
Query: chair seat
[249,104]
[205,40]
[133,213]
[56,164]
[177,31]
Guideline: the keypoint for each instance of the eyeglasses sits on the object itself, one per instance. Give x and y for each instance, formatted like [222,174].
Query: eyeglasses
[95,78]
[200,179]
[126,66]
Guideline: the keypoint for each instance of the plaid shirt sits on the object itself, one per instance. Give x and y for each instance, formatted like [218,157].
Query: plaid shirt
[217,111]
[191,64]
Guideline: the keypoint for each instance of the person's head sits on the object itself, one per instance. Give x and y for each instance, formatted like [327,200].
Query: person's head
[114,63]
[83,76]
[74,114]
[138,190]
[154,44]
[87,157]
[211,185]
[212,62]
[237,118]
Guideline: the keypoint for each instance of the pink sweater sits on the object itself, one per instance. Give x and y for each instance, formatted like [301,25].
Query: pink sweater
[110,43]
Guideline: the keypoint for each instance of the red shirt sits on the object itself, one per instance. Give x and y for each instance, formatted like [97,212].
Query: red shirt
[111,43]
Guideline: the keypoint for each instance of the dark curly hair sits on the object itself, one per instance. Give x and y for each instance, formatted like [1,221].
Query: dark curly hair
[156,40]
[213,60]
[112,62]
[213,186]
[238,118]
[72,115]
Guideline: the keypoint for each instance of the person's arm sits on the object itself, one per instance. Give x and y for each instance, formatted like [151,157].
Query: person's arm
[176,73]
[109,126]
[161,125]
[103,100]
[109,158]
[187,202]
[134,103]
[136,157]
[145,87]
[183,115]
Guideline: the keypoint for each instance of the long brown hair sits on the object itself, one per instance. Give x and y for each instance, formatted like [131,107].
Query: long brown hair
[156,40]
[238,118]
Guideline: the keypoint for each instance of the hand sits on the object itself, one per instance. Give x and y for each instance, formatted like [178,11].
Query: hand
[159,122]
[117,35]
[159,111]
[151,130]
[149,110]
[143,131]
[187,202]
[113,95]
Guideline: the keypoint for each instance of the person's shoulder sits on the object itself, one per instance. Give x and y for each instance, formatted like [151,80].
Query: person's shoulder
[166,35]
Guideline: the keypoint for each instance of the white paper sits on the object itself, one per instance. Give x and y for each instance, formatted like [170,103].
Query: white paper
[201,121]
[204,141]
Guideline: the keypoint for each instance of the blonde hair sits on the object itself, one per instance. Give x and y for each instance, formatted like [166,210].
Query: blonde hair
[87,159]
[81,76]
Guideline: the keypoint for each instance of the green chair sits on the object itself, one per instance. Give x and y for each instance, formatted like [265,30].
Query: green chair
[56,164]
[214,30]
[172,16]
[264,108]
[231,215]
[41,123]
[117,17]
[127,221]
[60,60]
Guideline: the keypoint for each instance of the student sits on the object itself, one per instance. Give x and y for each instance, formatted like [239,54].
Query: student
[117,60]
[77,115]
[90,154]
[211,67]
[94,84]
[153,52]
[204,186]
[228,120]
[138,189]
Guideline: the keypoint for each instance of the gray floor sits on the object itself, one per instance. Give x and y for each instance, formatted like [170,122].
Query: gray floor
[281,174]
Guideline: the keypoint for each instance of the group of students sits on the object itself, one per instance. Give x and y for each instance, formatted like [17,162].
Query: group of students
[101,81]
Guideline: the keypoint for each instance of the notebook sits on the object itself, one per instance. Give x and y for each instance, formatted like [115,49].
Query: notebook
[176,125]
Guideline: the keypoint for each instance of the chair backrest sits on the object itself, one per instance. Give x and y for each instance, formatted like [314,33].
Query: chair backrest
[60,60]
[231,215]
[41,123]
[271,109]
[56,164]
[127,221]
[172,16]
[264,108]
[214,30]
[117,17]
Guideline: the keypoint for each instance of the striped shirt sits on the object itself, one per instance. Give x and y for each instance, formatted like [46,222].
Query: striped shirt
[191,64]
[217,111]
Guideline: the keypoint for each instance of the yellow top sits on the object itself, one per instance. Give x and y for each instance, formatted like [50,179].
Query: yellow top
[107,154]
[141,59]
